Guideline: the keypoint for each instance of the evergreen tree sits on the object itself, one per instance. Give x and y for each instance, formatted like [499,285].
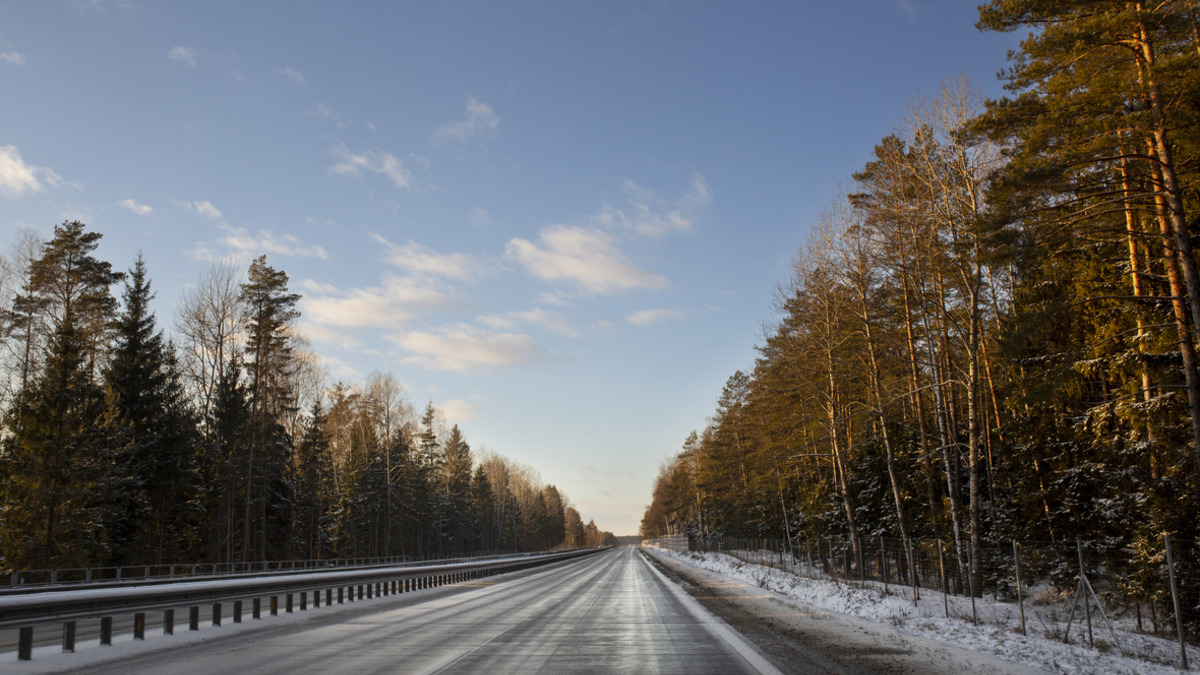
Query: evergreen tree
[270,310]
[51,462]
[148,477]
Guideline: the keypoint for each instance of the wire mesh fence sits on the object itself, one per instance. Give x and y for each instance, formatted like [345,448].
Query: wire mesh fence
[1077,591]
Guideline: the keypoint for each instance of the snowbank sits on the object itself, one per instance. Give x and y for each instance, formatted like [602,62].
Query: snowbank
[998,632]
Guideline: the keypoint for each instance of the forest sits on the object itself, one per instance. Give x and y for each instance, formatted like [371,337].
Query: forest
[224,441]
[990,333]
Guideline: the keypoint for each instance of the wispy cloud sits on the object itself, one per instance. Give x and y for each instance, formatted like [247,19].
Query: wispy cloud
[390,305]
[18,178]
[649,317]
[319,333]
[652,216]
[587,257]
[15,58]
[185,55]
[552,321]
[457,410]
[295,75]
[425,262]
[375,161]
[204,208]
[481,121]
[321,110]
[265,241]
[479,217]
[461,348]
[136,207]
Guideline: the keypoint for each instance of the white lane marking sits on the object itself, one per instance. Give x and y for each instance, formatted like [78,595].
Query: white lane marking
[718,626]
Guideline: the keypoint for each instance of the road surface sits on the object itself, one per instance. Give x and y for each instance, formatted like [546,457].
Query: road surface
[607,613]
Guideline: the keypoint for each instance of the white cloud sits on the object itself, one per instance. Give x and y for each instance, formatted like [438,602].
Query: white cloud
[239,239]
[295,75]
[461,348]
[321,110]
[479,217]
[602,327]
[422,261]
[15,58]
[584,256]
[555,299]
[552,321]
[649,317]
[653,216]
[204,208]
[391,305]
[481,121]
[18,178]
[136,207]
[371,160]
[457,411]
[319,333]
[185,55]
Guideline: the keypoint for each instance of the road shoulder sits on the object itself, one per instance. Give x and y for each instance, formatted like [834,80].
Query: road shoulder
[808,639]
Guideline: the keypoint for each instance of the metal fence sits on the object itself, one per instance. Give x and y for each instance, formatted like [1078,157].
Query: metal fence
[670,542]
[64,608]
[1152,588]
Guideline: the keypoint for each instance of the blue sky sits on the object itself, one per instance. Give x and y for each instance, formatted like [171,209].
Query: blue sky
[562,222]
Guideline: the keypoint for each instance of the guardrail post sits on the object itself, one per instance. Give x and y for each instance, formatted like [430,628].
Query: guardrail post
[139,626]
[237,611]
[106,630]
[25,644]
[216,614]
[340,590]
[168,622]
[303,601]
[288,603]
[274,605]
[68,644]
[328,597]
[194,618]
[256,608]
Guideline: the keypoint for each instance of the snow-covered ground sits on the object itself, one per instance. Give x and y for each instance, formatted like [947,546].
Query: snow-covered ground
[998,632]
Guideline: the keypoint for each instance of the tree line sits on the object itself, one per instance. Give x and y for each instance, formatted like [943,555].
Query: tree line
[223,443]
[990,334]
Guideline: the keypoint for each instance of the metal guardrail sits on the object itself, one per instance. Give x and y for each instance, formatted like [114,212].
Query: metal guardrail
[165,574]
[91,575]
[25,611]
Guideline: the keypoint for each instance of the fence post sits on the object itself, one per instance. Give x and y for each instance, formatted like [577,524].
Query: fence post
[1087,601]
[942,572]
[1175,598]
[883,565]
[1020,597]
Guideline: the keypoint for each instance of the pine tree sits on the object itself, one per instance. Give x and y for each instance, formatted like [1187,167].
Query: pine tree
[270,309]
[51,461]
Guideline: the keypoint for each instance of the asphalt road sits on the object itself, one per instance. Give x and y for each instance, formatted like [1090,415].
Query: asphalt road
[608,613]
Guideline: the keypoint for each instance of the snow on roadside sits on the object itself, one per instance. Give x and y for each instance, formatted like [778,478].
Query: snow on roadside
[998,632]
